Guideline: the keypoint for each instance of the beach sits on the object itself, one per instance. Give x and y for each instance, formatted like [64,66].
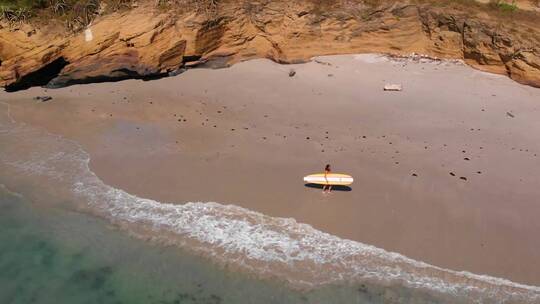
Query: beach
[445,170]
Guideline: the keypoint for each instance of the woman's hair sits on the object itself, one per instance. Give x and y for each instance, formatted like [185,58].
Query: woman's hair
[327,168]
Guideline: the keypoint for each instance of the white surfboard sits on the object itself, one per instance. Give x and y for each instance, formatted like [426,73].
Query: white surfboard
[330,179]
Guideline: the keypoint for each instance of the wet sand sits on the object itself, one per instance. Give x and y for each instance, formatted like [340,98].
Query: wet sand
[446,171]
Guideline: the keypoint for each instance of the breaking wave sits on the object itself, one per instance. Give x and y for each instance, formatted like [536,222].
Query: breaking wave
[276,247]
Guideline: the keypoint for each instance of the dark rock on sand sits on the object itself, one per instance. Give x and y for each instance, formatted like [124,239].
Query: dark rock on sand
[43,98]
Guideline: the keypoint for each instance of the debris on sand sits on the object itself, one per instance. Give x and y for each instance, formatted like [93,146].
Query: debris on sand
[393,87]
[510,114]
[323,62]
[177,71]
[292,73]
[43,98]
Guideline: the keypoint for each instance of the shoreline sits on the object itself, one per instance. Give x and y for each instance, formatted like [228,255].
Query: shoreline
[124,157]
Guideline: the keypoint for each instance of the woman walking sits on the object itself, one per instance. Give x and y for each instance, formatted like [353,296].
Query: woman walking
[327,188]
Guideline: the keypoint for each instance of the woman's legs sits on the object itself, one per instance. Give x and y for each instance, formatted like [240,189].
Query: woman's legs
[327,188]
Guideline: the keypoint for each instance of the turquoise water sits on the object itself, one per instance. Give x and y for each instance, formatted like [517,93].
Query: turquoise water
[53,255]
[56,256]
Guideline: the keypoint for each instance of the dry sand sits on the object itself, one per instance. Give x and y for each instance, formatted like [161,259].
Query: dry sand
[248,134]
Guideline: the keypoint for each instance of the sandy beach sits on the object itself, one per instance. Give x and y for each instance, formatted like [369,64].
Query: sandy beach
[446,171]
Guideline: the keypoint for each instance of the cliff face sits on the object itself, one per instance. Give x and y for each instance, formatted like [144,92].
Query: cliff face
[148,42]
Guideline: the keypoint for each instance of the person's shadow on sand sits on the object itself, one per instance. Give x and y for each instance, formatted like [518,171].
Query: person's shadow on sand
[334,188]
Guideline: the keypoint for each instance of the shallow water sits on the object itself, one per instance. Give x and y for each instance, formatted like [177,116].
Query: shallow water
[54,255]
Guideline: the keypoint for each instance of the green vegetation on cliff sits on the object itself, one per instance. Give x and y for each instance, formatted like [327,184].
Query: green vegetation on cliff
[77,14]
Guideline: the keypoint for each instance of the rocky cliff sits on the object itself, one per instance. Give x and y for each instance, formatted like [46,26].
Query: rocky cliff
[146,41]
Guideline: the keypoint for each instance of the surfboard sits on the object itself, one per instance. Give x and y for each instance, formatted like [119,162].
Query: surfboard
[330,179]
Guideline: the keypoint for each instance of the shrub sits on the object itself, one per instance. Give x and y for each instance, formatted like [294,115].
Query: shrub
[505,6]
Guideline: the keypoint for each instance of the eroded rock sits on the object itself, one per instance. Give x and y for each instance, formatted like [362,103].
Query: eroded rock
[147,42]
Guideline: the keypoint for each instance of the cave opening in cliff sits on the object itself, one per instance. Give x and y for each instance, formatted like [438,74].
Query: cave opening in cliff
[114,76]
[191,58]
[40,77]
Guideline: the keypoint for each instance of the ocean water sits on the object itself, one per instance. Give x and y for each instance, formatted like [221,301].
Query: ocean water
[68,237]
[55,255]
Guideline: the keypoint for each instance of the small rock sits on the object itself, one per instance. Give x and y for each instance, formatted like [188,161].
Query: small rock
[323,62]
[510,114]
[43,98]
[177,71]
[292,73]
[393,87]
